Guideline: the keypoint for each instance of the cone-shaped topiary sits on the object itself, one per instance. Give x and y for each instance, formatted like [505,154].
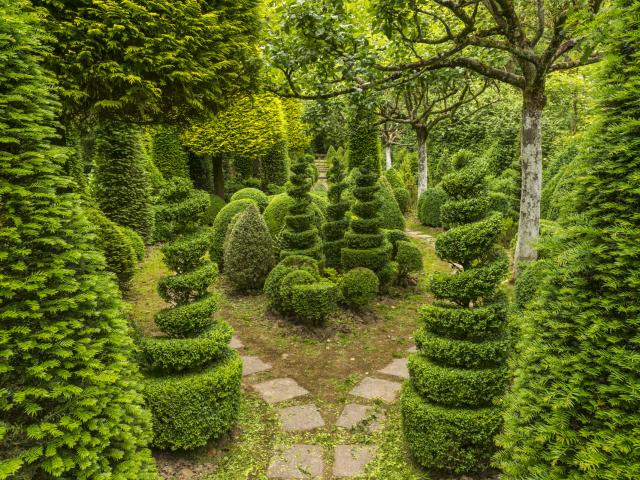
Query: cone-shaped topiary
[221,226]
[300,236]
[574,408]
[122,188]
[248,255]
[193,378]
[448,407]
[337,220]
[71,399]
[168,153]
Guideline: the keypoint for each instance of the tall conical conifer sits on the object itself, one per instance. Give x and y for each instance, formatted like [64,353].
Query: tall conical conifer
[70,399]
[574,409]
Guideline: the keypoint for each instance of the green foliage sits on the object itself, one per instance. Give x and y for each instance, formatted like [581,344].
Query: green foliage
[337,220]
[393,237]
[429,206]
[530,277]
[258,196]
[190,319]
[168,153]
[403,197]
[389,211]
[161,60]
[190,409]
[278,207]
[182,209]
[572,412]
[299,235]
[409,258]
[313,303]
[395,178]
[72,404]
[459,373]
[275,165]
[248,254]
[216,204]
[136,242]
[116,247]
[359,287]
[221,225]
[185,254]
[287,265]
[297,138]
[363,139]
[189,286]
[122,188]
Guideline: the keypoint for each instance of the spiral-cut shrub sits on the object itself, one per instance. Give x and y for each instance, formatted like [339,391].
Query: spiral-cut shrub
[337,220]
[193,377]
[254,194]
[182,209]
[279,207]
[449,406]
[300,236]
[366,245]
[71,399]
[248,253]
[429,205]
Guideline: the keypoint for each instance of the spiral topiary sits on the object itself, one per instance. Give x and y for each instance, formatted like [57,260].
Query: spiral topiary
[449,405]
[337,220]
[182,209]
[300,236]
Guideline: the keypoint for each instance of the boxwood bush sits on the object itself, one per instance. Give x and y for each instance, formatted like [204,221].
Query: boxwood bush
[359,287]
[429,205]
[181,209]
[274,280]
[220,227]
[409,258]
[337,219]
[118,251]
[254,194]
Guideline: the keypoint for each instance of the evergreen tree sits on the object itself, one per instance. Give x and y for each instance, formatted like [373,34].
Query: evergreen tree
[574,409]
[337,221]
[300,236]
[70,403]
[168,153]
[363,147]
[449,406]
[122,187]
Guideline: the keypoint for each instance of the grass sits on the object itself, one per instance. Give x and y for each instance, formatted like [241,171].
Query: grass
[328,362]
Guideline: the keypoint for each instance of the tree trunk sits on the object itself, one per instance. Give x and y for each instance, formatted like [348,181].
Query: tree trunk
[531,168]
[387,152]
[423,168]
[218,176]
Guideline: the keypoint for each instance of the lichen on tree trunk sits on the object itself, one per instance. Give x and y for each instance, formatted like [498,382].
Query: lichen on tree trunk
[389,162]
[423,168]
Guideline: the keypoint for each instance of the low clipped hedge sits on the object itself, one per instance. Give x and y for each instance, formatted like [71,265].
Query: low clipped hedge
[220,227]
[359,287]
[258,196]
[190,319]
[313,303]
[409,258]
[427,429]
[187,287]
[190,409]
[181,354]
[429,206]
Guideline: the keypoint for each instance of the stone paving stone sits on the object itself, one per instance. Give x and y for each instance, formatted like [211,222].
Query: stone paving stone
[413,349]
[299,461]
[372,388]
[236,343]
[351,460]
[251,365]
[397,368]
[354,414]
[279,390]
[301,419]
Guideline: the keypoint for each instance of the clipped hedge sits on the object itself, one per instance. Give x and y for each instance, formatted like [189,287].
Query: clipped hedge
[189,286]
[190,319]
[313,303]
[248,254]
[429,206]
[254,194]
[359,287]
[220,226]
[182,209]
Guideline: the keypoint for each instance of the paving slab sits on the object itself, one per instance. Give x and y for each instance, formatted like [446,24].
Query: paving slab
[397,368]
[251,365]
[236,343]
[279,390]
[354,415]
[299,461]
[351,460]
[300,418]
[413,349]
[373,388]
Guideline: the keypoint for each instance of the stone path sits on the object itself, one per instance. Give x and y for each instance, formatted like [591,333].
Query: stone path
[420,236]
[303,461]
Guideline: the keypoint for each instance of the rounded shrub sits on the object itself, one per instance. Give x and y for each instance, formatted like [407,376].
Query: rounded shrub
[403,197]
[429,206]
[254,194]
[248,254]
[216,204]
[220,226]
[279,206]
[359,287]
[313,303]
[168,153]
[289,281]
[274,279]
[459,373]
[409,258]
[185,254]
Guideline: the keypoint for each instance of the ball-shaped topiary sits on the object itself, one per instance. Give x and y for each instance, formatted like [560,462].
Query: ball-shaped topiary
[122,188]
[429,205]
[248,255]
[72,405]
[409,258]
[254,194]
[221,225]
[300,236]
[359,287]
[337,220]
[167,152]
[448,406]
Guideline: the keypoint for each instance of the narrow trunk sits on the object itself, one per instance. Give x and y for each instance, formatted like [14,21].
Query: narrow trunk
[389,163]
[531,167]
[218,176]
[423,169]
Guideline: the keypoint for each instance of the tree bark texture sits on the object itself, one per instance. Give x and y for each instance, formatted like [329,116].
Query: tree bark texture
[423,168]
[387,151]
